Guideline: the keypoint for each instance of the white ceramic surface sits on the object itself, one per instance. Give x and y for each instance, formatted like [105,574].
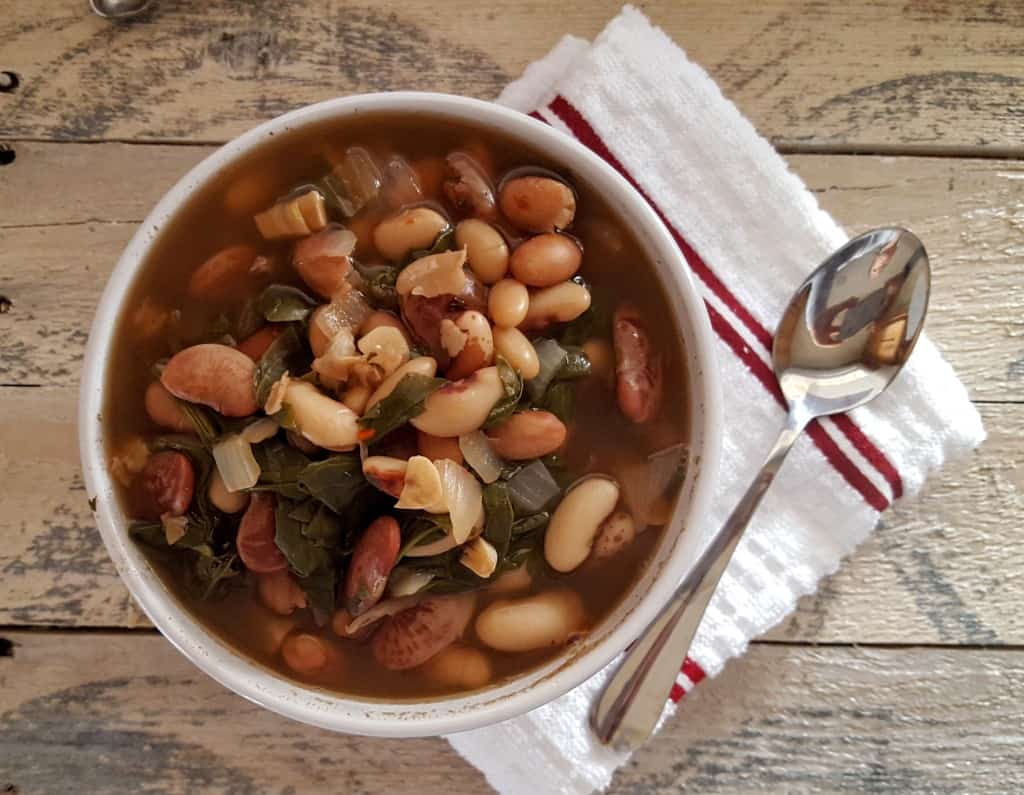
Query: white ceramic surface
[675,554]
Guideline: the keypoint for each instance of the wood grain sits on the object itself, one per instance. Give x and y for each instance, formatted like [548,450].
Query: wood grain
[55,255]
[941,569]
[126,713]
[935,75]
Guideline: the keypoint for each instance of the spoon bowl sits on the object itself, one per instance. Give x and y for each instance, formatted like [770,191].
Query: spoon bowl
[119,9]
[847,332]
[853,322]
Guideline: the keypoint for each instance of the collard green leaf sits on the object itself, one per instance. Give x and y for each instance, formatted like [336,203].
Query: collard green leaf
[575,365]
[320,587]
[304,555]
[204,421]
[532,489]
[281,303]
[560,400]
[579,330]
[498,517]
[512,383]
[324,528]
[287,353]
[212,575]
[336,481]
[444,242]
[405,402]
[530,524]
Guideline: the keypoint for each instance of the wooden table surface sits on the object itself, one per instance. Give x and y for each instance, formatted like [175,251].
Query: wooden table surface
[904,674]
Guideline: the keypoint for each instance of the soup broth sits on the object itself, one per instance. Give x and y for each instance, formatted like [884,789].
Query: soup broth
[260,501]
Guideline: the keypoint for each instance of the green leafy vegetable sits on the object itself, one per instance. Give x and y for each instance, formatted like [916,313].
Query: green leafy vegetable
[320,587]
[530,524]
[532,489]
[444,242]
[280,303]
[580,330]
[575,365]
[498,517]
[304,555]
[512,383]
[379,288]
[551,356]
[560,400]
[336,481]
[287,353]
[211,574]
[203,421]
[405,402]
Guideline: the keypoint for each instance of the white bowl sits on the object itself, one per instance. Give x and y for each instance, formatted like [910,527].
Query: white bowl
[673,558]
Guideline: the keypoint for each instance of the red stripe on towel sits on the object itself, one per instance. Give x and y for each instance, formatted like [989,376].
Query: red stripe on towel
[586,134]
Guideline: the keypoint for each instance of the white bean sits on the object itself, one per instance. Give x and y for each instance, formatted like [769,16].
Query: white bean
[459,666]
[486,249]
[423,365]
[536,622]
[323,421]
[462,406]
[508,303]
[409,230]
[558,304]
[518,350]
[224,500]
[576,520]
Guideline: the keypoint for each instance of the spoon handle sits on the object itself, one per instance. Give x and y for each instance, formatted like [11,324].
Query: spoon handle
[632,702]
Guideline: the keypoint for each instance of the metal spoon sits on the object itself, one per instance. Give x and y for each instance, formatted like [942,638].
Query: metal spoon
[845,335]
[119,9]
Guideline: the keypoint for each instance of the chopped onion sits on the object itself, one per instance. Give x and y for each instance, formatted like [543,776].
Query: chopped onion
[550,355]
[385,347]
[479,557]
[359,173]
[406,581]
[479,454]
[532,489]
[400,184]
[383,609]
[174,527]
[259,431]
[444,544]
[464,498]
[236,463]
[646,485]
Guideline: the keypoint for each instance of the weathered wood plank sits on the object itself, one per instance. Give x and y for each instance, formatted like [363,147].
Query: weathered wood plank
[967,212]
[932,74]
[935,572]
[125,713]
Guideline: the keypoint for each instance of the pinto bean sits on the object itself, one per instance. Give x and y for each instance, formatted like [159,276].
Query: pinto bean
[537,204]
[438,447]
[508,303]
[223,275]
[374,556]
[535,622]
[558,304]
[486,249]
[416,634]
[214,375]
[460,666]
[638,368]
[163,409]
[546,260]
[462,406]
[469,191]
[576,520]
[527,434]
[324,260]
[280,592]
[255,539]
[169,479]
[478,350]
[518,351]
[385,473]
[256,344]
[615,534]
[406,231]
[224,500]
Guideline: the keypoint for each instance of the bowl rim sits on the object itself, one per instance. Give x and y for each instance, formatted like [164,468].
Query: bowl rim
[247,677]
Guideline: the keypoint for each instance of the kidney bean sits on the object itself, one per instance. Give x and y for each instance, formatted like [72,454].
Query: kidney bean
[373,558]
[413,636]
[255,541]
[169,479]
[638,368]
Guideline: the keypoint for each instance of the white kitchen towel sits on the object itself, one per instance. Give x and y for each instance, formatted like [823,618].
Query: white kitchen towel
[751,231]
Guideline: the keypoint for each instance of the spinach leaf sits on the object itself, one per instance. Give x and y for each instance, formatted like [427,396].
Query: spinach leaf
[287,353]
[423,528]
[280,303]
[560,400]
[499,516]
[530,524]
[211,575]
[304,555]
[405,402]
[324,528]
[336,481]
[204,421]
[444,242]
[575,365]
[379,288]
[512,383]
[249,319]
[304,511]
[319,588]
